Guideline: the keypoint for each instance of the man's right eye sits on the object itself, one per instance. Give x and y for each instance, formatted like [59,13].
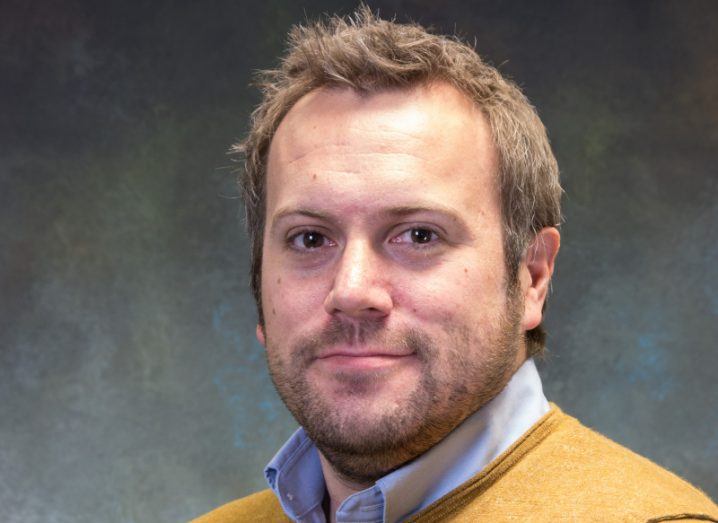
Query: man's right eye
[308,240]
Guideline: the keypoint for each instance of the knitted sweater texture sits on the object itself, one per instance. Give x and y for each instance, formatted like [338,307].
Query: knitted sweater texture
[557,471]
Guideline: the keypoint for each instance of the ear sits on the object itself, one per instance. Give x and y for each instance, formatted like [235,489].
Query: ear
[260,335]
[535,274]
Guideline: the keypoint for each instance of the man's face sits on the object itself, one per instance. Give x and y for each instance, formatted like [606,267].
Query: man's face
[387,316]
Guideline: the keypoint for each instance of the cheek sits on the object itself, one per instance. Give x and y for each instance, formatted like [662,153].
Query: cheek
[455,293]
[287,302]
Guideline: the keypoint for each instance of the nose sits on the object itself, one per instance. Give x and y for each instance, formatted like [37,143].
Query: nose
[359,290]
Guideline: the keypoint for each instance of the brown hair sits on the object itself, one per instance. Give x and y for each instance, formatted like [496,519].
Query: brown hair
[369,54]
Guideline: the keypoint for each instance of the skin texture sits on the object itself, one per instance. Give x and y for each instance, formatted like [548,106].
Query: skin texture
[387,316]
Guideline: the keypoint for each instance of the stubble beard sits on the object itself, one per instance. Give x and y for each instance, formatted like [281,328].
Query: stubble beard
[363,451]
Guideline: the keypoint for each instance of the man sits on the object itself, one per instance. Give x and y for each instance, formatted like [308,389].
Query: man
[402,201]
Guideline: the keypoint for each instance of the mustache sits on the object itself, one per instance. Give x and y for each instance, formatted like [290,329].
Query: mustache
[372,332]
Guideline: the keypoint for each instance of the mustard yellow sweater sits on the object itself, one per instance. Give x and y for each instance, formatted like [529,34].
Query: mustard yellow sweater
[558,471]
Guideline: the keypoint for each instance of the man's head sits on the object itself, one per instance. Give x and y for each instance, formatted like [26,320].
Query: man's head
[370,55]
[400,197]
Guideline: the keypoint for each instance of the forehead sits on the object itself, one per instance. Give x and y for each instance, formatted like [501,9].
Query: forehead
[417,111]
[430,135]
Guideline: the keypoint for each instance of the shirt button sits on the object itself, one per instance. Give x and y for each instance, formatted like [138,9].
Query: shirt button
[290,497]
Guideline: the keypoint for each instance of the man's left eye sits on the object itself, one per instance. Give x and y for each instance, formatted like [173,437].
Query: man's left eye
[417,235]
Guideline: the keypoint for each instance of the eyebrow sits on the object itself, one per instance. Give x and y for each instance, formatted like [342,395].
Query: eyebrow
[417,209]
[393,212]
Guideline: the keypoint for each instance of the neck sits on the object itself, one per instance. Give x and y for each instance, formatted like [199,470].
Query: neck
[338,488]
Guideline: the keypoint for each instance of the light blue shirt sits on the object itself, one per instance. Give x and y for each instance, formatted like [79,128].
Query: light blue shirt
[295,473]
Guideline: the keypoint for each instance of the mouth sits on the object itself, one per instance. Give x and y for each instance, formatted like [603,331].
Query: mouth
[363,360]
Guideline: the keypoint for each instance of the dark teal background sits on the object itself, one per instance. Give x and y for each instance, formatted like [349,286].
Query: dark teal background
[131,386]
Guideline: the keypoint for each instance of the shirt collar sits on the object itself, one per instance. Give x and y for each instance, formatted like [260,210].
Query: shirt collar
[295,473]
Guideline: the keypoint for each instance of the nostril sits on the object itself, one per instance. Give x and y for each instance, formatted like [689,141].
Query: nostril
[373,300]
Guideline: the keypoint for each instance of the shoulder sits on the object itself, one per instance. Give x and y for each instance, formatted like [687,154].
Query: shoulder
[595,467]
[561,470]
[261,506]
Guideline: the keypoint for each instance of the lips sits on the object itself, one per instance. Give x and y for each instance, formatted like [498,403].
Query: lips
[363,359]
[361,353]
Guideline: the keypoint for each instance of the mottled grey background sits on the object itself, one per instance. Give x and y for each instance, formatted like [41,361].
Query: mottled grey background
[131,386]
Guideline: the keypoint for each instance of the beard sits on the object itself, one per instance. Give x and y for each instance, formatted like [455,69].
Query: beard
[363,441]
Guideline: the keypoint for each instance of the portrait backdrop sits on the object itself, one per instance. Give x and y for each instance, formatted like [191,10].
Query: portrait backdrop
[131,384]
